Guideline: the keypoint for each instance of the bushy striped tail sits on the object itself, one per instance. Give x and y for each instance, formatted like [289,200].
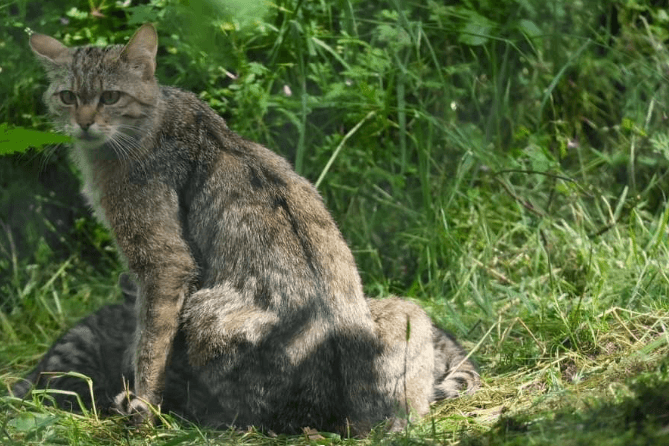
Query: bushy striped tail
[454,373]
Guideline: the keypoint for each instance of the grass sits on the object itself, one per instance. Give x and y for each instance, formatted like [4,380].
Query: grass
[504,167]
[573,353]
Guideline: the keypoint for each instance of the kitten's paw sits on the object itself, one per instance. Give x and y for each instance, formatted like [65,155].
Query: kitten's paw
[136,409]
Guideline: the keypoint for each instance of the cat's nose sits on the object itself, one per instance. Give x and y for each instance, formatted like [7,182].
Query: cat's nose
[85,116]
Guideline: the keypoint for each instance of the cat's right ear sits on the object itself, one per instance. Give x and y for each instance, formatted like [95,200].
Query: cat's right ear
[49,50]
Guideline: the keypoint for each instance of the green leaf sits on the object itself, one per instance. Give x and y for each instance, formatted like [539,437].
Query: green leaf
[19,139]
[530,29]
[660,143]
[540,160]
[27,421]
[142,14]
[476,31]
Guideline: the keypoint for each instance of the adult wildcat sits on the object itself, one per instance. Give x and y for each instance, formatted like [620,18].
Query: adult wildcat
[233,250]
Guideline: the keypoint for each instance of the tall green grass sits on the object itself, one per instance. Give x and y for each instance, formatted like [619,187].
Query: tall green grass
[504,164]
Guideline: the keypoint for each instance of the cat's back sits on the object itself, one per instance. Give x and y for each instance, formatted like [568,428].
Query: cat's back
[279,323]
[250,217]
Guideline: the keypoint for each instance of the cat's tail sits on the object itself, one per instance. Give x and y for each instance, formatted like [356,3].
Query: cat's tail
[454,373]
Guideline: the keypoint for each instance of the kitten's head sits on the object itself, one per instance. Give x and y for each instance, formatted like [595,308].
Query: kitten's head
[102,96]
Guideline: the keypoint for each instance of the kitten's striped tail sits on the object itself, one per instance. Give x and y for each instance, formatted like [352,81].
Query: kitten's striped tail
[454,373]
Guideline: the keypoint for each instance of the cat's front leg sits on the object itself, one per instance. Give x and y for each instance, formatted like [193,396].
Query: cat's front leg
[150,235]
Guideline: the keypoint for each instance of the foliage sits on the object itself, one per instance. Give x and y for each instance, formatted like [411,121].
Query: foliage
[505,163]
[20,139]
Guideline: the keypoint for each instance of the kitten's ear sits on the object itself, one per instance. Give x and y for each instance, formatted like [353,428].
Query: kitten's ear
[141,50]
[49,50]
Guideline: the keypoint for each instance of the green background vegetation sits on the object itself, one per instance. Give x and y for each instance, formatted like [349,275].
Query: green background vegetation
[504,163]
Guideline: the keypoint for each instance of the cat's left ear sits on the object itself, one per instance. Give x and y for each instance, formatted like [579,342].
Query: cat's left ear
[141,50]
[49,50]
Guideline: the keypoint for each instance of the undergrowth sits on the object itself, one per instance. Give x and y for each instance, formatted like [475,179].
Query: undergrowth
[504,164]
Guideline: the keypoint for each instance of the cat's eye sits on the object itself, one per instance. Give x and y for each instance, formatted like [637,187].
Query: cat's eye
[68,97]
[110,97]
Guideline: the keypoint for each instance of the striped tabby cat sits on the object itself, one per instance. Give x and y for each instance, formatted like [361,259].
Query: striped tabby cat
[98,347]
[242,272]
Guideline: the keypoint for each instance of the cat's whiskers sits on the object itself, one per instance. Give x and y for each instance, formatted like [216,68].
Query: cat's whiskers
[127,147]
[134,130]
[130,142]
[139,149]
[48,153]
[118,148]
[124,149]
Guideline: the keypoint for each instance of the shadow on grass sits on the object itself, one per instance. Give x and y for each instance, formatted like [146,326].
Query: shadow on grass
[640,418]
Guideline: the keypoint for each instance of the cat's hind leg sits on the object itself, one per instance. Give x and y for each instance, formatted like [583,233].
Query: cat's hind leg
[405,369]
[421,363]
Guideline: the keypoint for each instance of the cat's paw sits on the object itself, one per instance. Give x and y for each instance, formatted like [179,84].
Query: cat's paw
[136,409]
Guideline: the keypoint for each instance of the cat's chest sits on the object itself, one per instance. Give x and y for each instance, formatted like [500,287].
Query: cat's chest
[92,188]
[93,197]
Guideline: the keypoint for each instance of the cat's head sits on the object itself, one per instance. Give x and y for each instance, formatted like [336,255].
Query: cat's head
[102,95]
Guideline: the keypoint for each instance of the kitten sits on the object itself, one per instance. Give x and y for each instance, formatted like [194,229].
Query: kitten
[232,249]
[97,347]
